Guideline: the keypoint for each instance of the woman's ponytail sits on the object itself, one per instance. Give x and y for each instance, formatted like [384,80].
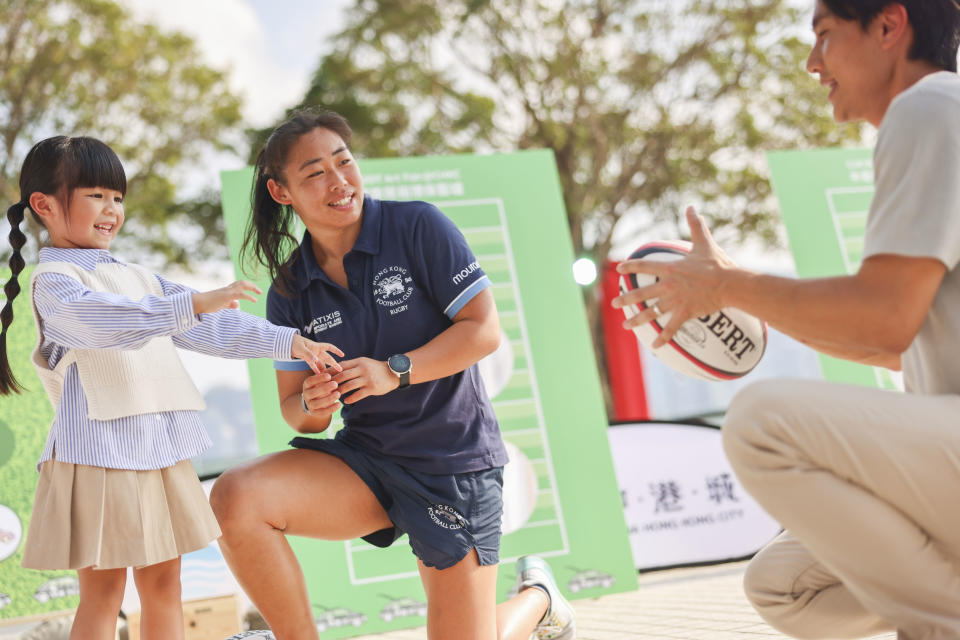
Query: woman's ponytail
[8,383]
[268,239]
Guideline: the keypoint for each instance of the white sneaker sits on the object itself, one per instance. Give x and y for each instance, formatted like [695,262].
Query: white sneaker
[558,622]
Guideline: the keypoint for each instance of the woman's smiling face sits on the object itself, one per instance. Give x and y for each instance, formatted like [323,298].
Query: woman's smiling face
[321,181]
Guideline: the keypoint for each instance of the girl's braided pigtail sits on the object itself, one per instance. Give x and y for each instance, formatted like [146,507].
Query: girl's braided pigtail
[8,383]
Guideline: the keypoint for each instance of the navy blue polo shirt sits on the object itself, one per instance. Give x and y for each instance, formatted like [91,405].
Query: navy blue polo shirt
[409,273]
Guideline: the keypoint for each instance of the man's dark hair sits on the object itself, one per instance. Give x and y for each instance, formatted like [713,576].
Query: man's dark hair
[936,25]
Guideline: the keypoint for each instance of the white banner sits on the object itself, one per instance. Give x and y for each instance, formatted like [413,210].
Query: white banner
[683,503]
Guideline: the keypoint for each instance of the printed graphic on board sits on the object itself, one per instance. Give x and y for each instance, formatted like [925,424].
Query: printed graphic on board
[398,608]
[24,421]
[496,369]
[683,503]
[824,197]
[11,532]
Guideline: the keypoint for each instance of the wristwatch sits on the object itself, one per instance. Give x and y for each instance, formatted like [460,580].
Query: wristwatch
[401,367]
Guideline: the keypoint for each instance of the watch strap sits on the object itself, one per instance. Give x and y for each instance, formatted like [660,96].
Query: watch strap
[402,376]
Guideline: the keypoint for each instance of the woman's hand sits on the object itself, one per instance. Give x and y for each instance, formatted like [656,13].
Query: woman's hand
[227,297]
[320,396]
[315,353]
[364,377]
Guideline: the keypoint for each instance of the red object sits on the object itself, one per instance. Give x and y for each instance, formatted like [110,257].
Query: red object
[623,355]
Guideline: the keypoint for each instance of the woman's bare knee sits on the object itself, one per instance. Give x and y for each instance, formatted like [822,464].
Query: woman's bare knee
[233,497]
[222,495]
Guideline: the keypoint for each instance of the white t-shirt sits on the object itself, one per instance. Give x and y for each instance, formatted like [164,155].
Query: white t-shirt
[916,212]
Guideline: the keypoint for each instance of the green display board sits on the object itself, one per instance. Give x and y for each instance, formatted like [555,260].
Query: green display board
[549,406]
[24,422]
[824,197]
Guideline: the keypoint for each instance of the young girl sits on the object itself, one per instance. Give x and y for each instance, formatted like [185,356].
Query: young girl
[116,487]
[421,451]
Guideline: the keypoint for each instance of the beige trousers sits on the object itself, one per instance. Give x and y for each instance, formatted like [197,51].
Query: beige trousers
[867,483]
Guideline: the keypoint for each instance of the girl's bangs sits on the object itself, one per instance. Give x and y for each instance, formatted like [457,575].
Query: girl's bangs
[94,164]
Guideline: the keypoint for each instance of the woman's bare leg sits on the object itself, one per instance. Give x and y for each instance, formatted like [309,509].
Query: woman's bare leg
[518,616]
[296,492]
[461,603]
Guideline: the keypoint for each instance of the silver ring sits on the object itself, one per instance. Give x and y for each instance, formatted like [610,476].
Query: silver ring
[656,309]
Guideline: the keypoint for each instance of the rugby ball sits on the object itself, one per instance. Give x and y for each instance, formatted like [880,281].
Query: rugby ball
[724,345]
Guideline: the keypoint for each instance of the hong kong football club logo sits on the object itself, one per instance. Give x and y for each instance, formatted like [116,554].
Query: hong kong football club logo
[392,286]
[445,516]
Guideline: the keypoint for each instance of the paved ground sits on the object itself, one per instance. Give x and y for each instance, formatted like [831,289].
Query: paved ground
[704,603]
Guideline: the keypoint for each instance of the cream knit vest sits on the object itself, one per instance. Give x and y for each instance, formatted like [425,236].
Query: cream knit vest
[118,383]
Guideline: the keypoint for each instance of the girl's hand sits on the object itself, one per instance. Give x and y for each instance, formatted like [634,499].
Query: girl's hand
[320,395]
[226,298]
[315,354]
[363,377]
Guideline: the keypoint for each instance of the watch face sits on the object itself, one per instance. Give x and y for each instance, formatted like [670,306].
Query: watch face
[399,363]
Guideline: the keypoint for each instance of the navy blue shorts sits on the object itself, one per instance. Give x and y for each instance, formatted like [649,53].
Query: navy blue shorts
[445,516]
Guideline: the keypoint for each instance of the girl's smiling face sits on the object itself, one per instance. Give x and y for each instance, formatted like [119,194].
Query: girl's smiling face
[91,220]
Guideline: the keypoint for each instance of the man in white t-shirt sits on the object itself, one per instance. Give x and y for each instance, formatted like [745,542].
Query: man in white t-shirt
[866,482]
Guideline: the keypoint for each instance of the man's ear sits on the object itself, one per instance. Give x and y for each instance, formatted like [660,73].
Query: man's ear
[278,192]
[44,205]
[893,22]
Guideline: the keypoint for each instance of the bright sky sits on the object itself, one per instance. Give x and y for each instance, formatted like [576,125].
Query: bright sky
[270,47]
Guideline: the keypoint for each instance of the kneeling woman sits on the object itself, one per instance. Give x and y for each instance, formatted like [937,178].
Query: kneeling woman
[421,451]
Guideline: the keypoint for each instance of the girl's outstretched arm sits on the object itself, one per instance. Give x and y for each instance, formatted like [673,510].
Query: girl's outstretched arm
[225,331]
[76,316]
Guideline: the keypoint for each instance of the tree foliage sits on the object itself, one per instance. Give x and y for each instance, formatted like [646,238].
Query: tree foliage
[647,104]
[84,67]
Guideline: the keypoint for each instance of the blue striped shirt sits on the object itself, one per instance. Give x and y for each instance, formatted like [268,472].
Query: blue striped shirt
[75,316]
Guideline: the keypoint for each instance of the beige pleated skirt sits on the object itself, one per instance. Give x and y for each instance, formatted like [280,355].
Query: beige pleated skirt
[87,516]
